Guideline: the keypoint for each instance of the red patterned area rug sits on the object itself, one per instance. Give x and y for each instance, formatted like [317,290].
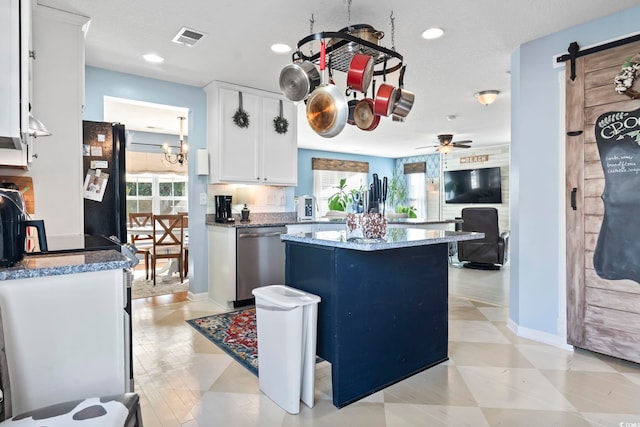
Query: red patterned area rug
[235,333]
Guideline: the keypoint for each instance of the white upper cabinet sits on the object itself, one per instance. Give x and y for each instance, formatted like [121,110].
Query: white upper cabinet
[253,154]
[15,30]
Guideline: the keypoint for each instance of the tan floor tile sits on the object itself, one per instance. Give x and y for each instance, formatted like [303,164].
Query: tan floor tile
[235,379]
[524,418]
[475,331]
[513,388]
[440,385]
[324,414]
[486,354]
[495,313]
[465,313]
[406,415]
[237,410]
[548,357]
[597,391]
[609,420]
[455,301]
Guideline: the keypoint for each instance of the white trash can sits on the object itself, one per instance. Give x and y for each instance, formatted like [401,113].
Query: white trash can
[286,323]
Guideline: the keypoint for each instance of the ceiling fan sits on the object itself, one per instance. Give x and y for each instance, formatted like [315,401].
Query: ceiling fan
[447,144]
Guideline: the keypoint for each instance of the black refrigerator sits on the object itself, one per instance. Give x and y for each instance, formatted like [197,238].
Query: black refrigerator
[105,203]
[104,174]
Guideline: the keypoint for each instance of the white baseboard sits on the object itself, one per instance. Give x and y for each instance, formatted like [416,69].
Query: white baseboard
[197,297]
[543,337]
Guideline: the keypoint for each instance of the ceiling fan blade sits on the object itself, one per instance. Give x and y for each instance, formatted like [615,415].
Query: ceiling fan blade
[427,146]
[466,141]
[455,144]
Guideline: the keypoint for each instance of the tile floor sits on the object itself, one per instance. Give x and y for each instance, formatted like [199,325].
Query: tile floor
[493,378]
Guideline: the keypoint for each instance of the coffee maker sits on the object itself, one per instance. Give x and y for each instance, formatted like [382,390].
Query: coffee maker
[223,209]
[13,227]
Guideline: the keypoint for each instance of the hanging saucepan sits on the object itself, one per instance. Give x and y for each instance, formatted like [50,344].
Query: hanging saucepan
[364,115]
[299,79]
[404,99]
[360,72]
[385,97]
[327,108]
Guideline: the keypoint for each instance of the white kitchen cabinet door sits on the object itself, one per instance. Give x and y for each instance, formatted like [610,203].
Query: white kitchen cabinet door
[239,150]
[279,151]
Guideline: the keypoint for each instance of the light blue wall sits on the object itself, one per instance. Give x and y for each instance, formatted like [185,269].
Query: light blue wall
[100,83]
[537,171]
[383,166]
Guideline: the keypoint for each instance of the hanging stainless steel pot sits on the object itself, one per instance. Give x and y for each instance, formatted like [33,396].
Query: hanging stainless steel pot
[327,108]
[361,31]
[299,79]
[404,99]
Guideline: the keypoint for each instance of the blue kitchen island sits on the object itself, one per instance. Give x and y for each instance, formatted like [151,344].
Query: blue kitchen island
[384,307]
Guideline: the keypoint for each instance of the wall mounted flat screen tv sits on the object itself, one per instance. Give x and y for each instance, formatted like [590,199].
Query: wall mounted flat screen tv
[473,186]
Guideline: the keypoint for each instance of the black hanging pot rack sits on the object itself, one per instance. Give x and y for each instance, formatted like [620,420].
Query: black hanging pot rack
[344,45]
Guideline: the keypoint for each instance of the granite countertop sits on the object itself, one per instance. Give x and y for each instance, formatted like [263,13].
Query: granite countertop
[280,219]
[43,265]
[396,238]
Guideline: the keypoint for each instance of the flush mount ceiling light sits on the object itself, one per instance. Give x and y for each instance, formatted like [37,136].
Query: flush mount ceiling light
[280,48]
[432,33]
[153,58]
[487,97]
[444,149]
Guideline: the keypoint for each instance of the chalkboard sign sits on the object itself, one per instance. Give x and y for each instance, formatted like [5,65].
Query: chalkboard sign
[618,139]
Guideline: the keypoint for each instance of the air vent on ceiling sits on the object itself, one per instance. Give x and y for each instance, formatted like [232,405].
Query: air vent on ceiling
[188,36]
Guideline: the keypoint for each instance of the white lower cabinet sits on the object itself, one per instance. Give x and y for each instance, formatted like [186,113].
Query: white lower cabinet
[256,153]
[222,265]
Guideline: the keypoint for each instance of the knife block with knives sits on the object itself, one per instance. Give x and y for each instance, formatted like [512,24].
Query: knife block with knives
[378,195]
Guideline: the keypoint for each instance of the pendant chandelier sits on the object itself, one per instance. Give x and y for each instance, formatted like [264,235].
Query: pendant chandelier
[179,157]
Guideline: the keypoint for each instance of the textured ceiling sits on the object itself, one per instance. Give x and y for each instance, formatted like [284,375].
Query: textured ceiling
[444,74]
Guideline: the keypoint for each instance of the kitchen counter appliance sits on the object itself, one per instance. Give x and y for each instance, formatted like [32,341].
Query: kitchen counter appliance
[223,208]
[307,206]
[13,227]
[259,260]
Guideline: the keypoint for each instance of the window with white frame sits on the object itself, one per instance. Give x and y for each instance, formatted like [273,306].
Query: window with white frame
[157,193]
[417,193]
[327,174]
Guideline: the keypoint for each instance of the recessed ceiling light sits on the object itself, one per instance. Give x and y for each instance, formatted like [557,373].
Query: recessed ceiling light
[280,48]
[153,58]
[433,33]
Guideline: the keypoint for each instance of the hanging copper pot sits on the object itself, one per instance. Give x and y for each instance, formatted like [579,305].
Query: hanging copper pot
[327,108]
[364,114]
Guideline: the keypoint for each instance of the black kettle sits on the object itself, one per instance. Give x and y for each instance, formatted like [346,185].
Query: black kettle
[13,227]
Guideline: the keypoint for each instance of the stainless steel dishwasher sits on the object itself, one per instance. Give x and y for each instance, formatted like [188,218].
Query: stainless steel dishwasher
[259,259]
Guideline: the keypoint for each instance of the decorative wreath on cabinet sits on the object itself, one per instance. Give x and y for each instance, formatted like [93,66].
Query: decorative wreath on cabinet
[626,77]
[281,124]
[241,117]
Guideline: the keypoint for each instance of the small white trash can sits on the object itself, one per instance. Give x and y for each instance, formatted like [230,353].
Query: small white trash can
[286,324]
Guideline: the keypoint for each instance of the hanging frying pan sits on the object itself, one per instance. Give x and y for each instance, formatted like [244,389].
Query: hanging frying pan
[299,79]
[327,108]
[364,115]
[360,72]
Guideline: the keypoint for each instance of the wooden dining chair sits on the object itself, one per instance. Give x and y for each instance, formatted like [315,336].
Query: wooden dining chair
[185,243]
[142,242]
[168,235]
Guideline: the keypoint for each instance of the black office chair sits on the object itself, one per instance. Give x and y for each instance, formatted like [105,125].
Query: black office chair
[489,253]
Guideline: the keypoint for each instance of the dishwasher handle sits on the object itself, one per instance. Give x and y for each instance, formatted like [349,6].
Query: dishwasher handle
[242,236]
